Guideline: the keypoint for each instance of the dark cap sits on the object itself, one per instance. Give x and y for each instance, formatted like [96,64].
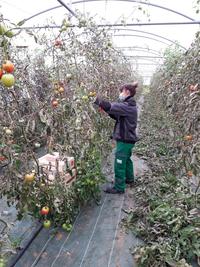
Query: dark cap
[131,87]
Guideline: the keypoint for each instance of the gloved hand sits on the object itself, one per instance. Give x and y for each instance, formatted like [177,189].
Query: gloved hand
[105,105]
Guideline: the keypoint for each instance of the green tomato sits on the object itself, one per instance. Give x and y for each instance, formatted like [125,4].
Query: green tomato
[64,226]
[2,263]
[68,76]
[109,44]
[67,227]
[47,224]
[85,97]
[8,80]
[8,131]
[37,145]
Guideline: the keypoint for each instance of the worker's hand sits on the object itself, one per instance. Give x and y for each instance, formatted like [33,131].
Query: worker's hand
[100,109]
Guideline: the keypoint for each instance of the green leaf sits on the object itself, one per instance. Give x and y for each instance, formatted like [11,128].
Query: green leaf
[17,148]
[17,164]
[20,23]
[187,231]
[197,249]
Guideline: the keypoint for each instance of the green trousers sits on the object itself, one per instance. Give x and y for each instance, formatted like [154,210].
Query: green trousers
[123,165]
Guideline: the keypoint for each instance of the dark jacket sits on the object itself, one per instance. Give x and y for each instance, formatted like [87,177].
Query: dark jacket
[125,114]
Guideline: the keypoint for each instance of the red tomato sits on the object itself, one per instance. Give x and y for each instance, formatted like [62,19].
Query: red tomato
[58,43]
[193,88]
[54,103]
[1,73]
[2,158]
[8,66]
[44,211]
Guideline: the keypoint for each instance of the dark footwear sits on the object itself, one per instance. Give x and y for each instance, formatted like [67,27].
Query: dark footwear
[130,182]
[112,190]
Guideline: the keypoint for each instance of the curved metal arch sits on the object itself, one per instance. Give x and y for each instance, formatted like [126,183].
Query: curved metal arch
[139,2]
[144,59]
[139,48]
[143,49]
[147,64]
[144,56]
[153,34]
[134,1]
[142,36]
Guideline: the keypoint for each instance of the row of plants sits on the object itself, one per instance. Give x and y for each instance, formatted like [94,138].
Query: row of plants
[46,105]
[167,212]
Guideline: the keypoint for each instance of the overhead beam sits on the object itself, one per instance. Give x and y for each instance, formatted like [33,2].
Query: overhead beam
[132,49]
[143,59]
[112,25]
[149,33]
[68,8]
[145,56]
[139,2]
[147,64]
[140,36]
[150,24]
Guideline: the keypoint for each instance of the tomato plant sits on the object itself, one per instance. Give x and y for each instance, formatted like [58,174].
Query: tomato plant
[50,109]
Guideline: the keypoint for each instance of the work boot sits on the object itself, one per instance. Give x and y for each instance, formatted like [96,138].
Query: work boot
[130,182]
[112,190]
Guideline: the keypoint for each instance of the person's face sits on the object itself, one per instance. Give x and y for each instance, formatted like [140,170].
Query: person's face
[124,93]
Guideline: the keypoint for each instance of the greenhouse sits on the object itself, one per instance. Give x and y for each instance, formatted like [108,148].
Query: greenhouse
[100,133]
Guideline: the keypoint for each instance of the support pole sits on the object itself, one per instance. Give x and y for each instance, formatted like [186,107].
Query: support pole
[68,8]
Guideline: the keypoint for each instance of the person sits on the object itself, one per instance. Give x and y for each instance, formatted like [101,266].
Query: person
[124,112]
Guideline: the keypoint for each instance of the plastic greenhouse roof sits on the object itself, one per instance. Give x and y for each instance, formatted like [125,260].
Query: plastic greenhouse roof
[119,12]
